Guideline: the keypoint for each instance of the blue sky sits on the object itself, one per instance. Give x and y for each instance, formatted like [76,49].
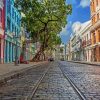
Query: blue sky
[80,13]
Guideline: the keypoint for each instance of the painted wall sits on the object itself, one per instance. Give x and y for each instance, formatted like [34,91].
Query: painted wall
[2,25]
[12,28]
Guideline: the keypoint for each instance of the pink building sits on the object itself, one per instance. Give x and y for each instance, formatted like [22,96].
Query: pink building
[2,17]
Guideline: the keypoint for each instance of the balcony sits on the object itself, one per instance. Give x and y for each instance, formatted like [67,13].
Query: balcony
[88,42]
[84,44]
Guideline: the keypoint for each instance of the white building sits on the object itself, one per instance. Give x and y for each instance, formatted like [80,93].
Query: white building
[80,36]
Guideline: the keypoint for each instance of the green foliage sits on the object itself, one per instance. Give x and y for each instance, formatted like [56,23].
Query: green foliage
[44,19]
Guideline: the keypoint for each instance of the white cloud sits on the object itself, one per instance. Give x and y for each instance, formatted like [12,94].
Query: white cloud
[76,26]
[65,30]
[85,3]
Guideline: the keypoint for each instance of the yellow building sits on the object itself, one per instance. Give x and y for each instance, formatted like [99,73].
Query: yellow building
[95,29]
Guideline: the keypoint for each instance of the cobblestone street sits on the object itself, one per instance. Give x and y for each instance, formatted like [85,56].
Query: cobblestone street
[86,77]
[54,85]
[50,82]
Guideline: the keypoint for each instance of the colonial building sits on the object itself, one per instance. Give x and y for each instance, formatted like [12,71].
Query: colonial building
[2,25]
[86,42]
[79,48]
[12,32]
[95,29]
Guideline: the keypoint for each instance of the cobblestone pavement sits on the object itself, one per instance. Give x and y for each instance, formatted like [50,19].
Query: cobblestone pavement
[86,78]
[19,88]
[54,85]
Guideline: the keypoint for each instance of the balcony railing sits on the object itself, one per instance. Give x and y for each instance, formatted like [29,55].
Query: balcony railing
[86,43]
[83,43]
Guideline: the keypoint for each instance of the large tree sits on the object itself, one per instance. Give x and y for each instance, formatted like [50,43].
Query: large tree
[44,19]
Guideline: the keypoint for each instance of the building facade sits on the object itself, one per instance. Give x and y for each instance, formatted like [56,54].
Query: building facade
[95,30]
[86,43]
[12,32]
[2,25]
[79,46]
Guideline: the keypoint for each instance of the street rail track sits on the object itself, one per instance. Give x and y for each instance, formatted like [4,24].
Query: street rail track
[29,97]
[76,89]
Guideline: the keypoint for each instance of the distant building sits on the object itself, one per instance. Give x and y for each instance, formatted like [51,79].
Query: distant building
[68,51]
[95,29]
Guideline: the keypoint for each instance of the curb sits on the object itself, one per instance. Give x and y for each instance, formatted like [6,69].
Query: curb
[14,74]
[85,63]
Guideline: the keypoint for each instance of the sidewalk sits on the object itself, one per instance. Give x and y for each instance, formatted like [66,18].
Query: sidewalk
[9,71]
[88,63]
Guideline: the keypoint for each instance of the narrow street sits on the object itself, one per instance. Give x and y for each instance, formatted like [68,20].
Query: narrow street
[51,82]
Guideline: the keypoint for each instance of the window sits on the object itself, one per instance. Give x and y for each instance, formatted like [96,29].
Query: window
[15,31]
[13,28]
[99,34]
[15,16]
[93,6]
[8,23]
[87,37]
[8,6]
[13,13]
[96,2]
[97,16]
[94,36]
[0,15]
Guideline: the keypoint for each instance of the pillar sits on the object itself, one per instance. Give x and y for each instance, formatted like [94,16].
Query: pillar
[11,53]
[8,55]
[97,36]
[92,38]
[5,51]
[98,53]
[2,50]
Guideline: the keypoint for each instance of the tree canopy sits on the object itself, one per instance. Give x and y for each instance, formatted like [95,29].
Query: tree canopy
[44,19]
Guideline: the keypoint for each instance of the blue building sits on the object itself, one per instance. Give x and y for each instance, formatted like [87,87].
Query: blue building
[12,31]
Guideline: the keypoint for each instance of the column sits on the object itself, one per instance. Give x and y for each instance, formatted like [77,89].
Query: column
[5,52]
[92,38]
[97,54]
[8,52]
[2,50]
[11,53]
[97,36]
